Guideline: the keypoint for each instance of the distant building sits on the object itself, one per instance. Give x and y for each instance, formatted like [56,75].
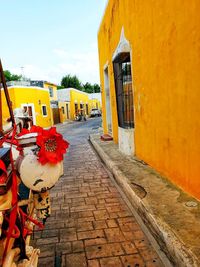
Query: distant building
[34,100]
[72,101]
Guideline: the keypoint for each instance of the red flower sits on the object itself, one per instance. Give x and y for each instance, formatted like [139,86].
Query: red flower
[52,146]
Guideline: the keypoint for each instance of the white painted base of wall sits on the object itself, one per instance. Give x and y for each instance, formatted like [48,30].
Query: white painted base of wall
[126,141]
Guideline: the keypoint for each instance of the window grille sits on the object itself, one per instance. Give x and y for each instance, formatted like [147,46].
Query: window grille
[50,91]
[124,92]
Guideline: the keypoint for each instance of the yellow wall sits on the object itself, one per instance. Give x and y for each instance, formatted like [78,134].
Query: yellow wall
[94,103]
[54,87]
[37,97]
[63,116]
[165,38]
[5,110]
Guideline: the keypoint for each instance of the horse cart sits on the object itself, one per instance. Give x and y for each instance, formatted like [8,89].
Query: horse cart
[31,162]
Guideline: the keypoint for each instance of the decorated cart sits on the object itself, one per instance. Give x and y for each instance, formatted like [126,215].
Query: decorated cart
[31,162]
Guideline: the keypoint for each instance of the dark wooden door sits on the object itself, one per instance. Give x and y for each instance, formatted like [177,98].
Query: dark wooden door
[56,115]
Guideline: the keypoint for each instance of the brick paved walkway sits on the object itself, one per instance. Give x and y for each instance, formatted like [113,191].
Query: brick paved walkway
[90,224]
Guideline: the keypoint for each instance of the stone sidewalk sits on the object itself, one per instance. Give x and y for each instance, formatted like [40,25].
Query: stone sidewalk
[91,225]
[171,216]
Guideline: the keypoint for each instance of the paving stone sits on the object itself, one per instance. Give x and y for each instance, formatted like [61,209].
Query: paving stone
[83,208]
[77,246]
[95,241]
[84,226]
[111,262]
[47,251]
[104,250]
[132,260]
[68,234]
[111,223]
[44,241]
[148,254]
[91,234]
[64,247]
[100,224]
[129,247]
[114,235]
[76,260]
[93,263]
[48,261]
[49,233]
[101,215]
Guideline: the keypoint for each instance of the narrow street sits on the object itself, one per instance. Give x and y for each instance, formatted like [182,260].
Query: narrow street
[90,225]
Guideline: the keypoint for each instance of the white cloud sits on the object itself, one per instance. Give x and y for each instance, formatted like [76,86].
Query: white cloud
[83,64]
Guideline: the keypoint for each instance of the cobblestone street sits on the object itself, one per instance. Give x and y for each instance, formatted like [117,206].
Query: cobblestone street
[90,225]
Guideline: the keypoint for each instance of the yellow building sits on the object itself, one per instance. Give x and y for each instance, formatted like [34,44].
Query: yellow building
[149,69]
[34,100]
[56,114]
[72,101]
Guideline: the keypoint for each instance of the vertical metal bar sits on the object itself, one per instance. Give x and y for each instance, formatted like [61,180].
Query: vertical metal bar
[3,80]
[1,115]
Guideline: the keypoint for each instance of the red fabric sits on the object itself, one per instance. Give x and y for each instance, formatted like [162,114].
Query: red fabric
[3,166]
[34,129]
[13,213]
[25,217]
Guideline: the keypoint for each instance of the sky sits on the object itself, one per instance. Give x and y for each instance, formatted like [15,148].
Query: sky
[48,39]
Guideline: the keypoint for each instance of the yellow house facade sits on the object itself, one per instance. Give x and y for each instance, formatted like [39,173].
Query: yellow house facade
[72,101]
[149,70]
[52,88]
[34,100]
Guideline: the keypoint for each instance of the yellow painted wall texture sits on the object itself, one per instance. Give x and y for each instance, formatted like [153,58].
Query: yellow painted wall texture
[79,97]
[54,88]
[32,95]
[63,111]
[165,41]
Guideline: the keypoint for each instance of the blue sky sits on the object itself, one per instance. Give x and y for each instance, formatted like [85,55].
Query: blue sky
[51,38]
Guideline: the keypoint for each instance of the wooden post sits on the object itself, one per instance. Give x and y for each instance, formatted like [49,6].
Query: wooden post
[3,82]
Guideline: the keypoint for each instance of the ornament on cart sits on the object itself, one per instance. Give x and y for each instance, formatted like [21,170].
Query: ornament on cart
[42,204]
[1,222]
[41,167]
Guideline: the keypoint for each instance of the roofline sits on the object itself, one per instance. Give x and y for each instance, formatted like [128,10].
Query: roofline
[104,12]
[74,89]
[28,87]
[44,82]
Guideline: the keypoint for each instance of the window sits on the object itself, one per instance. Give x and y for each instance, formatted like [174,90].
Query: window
[76,108]
[124,92]
[44,110]
[87,111]
[51,91]
[63,110]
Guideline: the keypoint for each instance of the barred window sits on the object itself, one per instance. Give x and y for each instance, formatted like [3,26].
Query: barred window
[51,91]
[124,92]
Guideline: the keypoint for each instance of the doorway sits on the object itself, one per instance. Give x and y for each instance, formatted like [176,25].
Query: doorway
[29,110]
[107,93]
[67,111]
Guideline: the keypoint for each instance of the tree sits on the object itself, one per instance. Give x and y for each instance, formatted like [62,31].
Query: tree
[60,87]
[11,77]
[71,81]
[96,88]
[88,88]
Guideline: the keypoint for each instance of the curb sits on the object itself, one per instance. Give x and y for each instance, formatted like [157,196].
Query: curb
[170,244]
